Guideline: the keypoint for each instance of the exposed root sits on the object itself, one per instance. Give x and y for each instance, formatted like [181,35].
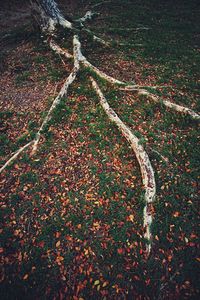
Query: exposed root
[100,3]
[143,160]
[96,38]
[49,16]
[101,74]
[165,159]
[87,64]
[131,29]
[126,87]
[56,101]
[59,50]
[15,155]
[62,92]
[137,87]
[88,16]
[176,107]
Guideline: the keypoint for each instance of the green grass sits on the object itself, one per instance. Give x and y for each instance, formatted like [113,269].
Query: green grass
[100,229]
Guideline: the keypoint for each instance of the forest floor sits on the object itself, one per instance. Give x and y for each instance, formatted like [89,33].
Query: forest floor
[72,214]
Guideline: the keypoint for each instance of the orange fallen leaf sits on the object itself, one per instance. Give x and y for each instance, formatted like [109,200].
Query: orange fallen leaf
[57,244]
[25,277]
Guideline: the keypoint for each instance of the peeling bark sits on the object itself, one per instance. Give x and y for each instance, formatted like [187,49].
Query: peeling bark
[56,101]
[88,16]
[62,92]
[48,16]
[176,107]
[146,169]
[15,155]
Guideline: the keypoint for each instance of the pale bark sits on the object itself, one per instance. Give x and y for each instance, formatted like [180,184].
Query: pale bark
[62,92]
[48,16]
[146,169]
[176,107]
[15,155]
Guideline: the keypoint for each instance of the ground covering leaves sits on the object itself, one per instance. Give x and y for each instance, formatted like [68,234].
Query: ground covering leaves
[72,214]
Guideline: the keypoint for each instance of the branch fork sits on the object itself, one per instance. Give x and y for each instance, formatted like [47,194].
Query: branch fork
[50,20]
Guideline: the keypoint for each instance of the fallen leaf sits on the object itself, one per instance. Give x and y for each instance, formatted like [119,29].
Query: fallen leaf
[57,244]
[96,282]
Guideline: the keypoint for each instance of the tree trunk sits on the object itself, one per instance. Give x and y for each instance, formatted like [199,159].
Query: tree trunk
[47,15]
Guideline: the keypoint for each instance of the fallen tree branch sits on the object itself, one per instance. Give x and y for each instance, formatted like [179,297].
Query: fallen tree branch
[143,160]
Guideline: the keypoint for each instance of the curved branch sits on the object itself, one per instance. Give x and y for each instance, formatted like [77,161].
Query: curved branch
[146,169]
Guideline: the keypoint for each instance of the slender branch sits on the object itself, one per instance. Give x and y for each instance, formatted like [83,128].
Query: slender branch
[143,160]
